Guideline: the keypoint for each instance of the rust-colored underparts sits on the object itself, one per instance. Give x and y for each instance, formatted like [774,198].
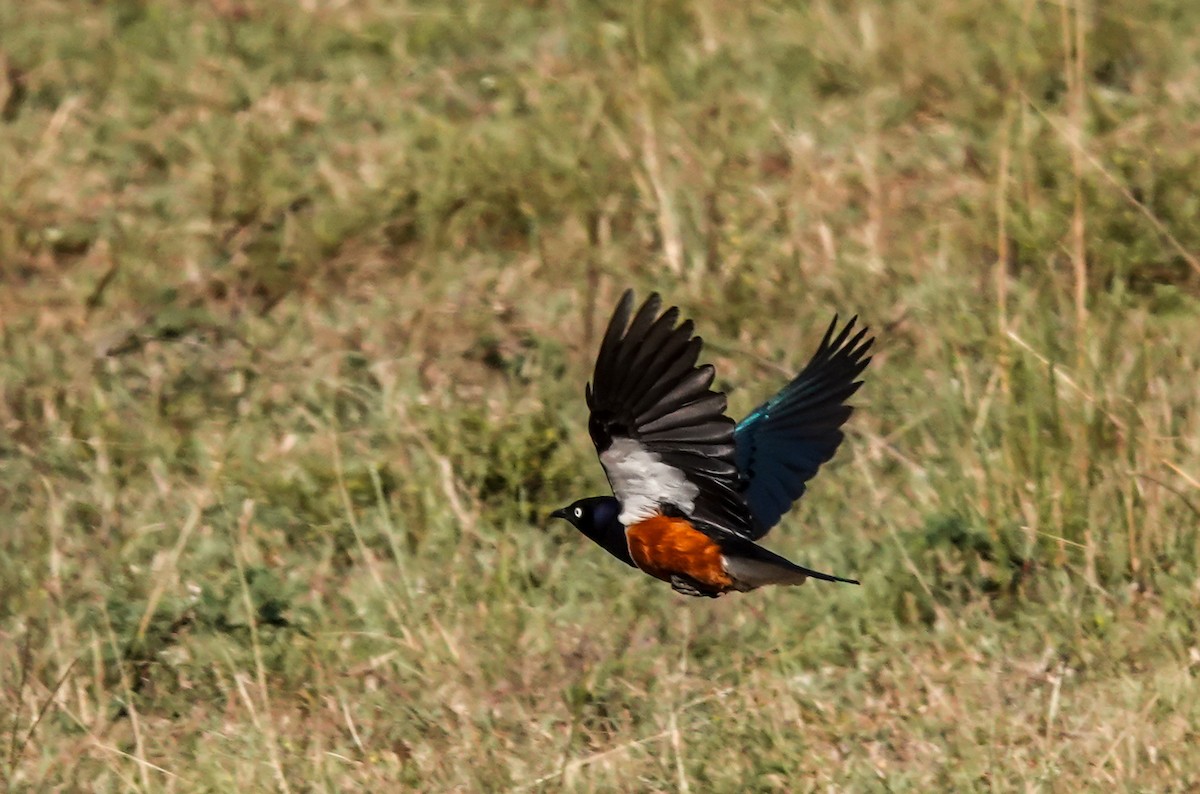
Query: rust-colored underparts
[663,545]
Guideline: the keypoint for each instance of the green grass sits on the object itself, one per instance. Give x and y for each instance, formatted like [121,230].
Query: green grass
[297,303]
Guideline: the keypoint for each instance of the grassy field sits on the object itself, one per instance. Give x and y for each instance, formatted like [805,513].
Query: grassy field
[297,302]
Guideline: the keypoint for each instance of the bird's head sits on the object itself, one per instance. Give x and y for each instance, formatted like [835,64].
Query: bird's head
[597,518]
[588,514]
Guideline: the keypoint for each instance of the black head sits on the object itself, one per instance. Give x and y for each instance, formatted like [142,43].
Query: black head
[597,517]
[587,513]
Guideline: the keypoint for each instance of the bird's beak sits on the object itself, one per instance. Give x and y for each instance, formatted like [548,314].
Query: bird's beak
[559,513]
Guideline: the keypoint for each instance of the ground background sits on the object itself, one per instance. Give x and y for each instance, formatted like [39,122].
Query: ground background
[297,302]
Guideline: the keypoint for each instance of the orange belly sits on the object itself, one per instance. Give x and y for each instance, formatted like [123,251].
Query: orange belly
[662,546]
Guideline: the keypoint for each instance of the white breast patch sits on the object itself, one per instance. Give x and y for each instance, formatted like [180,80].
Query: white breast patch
[642,482]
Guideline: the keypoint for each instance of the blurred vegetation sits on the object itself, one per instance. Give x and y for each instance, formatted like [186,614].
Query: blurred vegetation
[297,302]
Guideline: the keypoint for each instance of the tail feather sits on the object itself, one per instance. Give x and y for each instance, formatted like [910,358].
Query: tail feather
[753,566]
[751,574]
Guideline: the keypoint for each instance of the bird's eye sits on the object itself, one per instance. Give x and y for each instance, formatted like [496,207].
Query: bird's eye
[579,512]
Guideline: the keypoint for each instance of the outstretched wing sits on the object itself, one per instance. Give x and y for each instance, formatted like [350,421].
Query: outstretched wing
[660,430]
[783,442]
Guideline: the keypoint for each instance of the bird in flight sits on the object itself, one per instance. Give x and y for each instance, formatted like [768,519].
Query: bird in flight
[692,490]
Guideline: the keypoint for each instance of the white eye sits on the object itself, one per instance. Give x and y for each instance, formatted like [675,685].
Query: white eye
[579,512]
